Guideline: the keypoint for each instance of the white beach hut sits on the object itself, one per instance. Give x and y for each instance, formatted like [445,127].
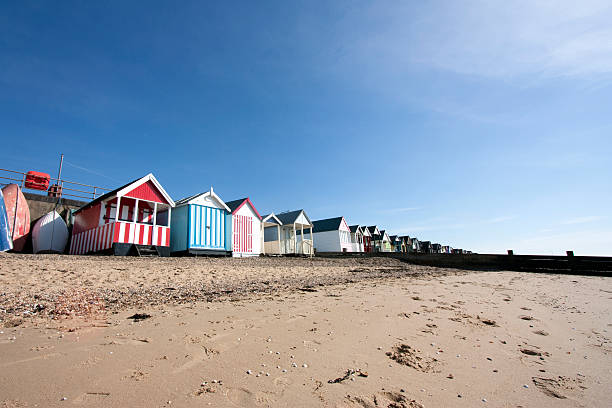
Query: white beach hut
[285,235]
[331,235]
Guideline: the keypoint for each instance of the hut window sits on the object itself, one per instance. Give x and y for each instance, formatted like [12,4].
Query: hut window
[126,213]
[111,213]
[162,217]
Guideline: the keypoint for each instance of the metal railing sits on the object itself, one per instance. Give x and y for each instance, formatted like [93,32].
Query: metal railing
[57,188]
[307,247]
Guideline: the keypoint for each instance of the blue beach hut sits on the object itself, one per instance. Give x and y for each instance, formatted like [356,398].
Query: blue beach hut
[201,225]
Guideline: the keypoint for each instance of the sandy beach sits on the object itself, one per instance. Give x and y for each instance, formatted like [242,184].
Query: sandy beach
[274,332]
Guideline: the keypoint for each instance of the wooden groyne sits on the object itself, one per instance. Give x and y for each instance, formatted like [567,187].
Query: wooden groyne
[570,264]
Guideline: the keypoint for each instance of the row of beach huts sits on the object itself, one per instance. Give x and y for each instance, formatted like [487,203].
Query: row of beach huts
[141,218]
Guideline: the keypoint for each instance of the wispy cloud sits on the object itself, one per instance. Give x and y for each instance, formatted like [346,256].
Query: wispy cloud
[442,224]
[502,218]
[583,220]
[539,38]
[411,229]
[85,169]
[399,210]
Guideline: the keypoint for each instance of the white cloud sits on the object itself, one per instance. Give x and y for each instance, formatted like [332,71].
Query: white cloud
[428,227]
[583,220]
[400,210]
[502,218]
[539,38]
[591,242]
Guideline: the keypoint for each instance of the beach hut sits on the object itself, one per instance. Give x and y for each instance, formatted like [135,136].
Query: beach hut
[272,247]
[246,228]
[385,242]
[285,235]
[331,235]
[416,245]
[201,225]
[356,238]
[405,243]
[367,239]
[134,217]
[376,238]
[396,243]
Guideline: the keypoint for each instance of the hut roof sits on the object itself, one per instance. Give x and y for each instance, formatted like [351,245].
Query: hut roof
[328,224]
[210,193]
[126,188]
[291,216]
[272,219]
[235,205]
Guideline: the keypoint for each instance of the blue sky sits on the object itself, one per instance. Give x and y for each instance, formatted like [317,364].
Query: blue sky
[482,125]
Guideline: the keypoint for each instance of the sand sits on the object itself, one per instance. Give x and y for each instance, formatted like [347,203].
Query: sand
[297,332]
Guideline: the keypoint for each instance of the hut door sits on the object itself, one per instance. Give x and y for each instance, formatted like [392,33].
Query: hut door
[243,233]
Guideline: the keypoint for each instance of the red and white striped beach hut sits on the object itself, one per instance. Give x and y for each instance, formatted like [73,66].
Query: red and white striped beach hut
[141,223]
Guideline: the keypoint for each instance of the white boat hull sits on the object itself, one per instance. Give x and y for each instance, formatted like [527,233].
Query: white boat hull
[50,234]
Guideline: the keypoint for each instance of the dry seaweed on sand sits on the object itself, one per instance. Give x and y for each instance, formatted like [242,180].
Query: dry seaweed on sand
[137,317]
[406,355]
[350,372]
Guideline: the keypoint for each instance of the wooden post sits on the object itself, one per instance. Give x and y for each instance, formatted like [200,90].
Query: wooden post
[118,209]
[280,250]
[263,241]
[135,215]
[302,241]
[311,242]
[154,229]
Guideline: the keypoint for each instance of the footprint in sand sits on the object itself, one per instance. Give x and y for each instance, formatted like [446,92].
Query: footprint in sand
[406,355]
[136,375]
[196,360]
[380,399]
[43,357]
[558,387]
[91,398]
[12,404]
[281,383]
[241,397]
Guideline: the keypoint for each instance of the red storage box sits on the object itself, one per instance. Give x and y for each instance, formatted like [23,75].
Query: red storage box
[37,180]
